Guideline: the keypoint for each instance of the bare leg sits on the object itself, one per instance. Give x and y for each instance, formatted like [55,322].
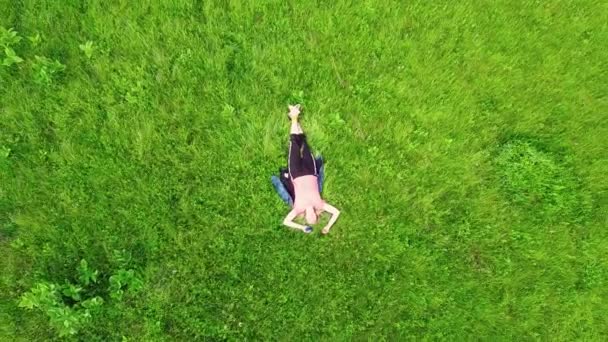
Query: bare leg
[295,126]
[294,114]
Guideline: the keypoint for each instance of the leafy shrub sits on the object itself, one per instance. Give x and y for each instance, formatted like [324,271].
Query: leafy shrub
[10,57]
[71,307]
[65,319]
[9,38]
[35,39]
[122,280]
[45,70]
[87,48]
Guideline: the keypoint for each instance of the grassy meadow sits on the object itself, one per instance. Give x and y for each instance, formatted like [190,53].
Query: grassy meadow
[466,144]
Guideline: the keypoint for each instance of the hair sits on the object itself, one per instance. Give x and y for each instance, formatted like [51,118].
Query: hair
[311,216]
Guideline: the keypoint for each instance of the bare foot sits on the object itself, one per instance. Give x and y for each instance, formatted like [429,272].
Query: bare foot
[294,112]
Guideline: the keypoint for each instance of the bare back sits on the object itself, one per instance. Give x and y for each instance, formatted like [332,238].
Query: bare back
[307,193]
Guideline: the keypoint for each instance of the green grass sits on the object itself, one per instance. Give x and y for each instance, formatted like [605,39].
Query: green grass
[466,146]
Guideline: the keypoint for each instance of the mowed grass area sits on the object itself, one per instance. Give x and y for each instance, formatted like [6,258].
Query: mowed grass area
[465,143]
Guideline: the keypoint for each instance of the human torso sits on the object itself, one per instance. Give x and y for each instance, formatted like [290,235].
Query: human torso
[307,194]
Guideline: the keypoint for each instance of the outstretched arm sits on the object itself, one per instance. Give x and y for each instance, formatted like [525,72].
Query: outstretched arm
[334,217]
[288,221]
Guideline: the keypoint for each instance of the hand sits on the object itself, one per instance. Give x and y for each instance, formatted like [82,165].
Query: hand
[294,111]
[325,231]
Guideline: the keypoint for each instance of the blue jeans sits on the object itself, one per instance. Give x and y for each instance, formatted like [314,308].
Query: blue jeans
[280,188]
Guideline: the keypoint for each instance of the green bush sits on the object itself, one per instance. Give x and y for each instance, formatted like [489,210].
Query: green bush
[46,69]
[8,39]
[72,308]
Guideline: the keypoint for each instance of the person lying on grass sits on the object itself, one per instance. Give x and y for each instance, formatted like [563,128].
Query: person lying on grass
[303,174]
